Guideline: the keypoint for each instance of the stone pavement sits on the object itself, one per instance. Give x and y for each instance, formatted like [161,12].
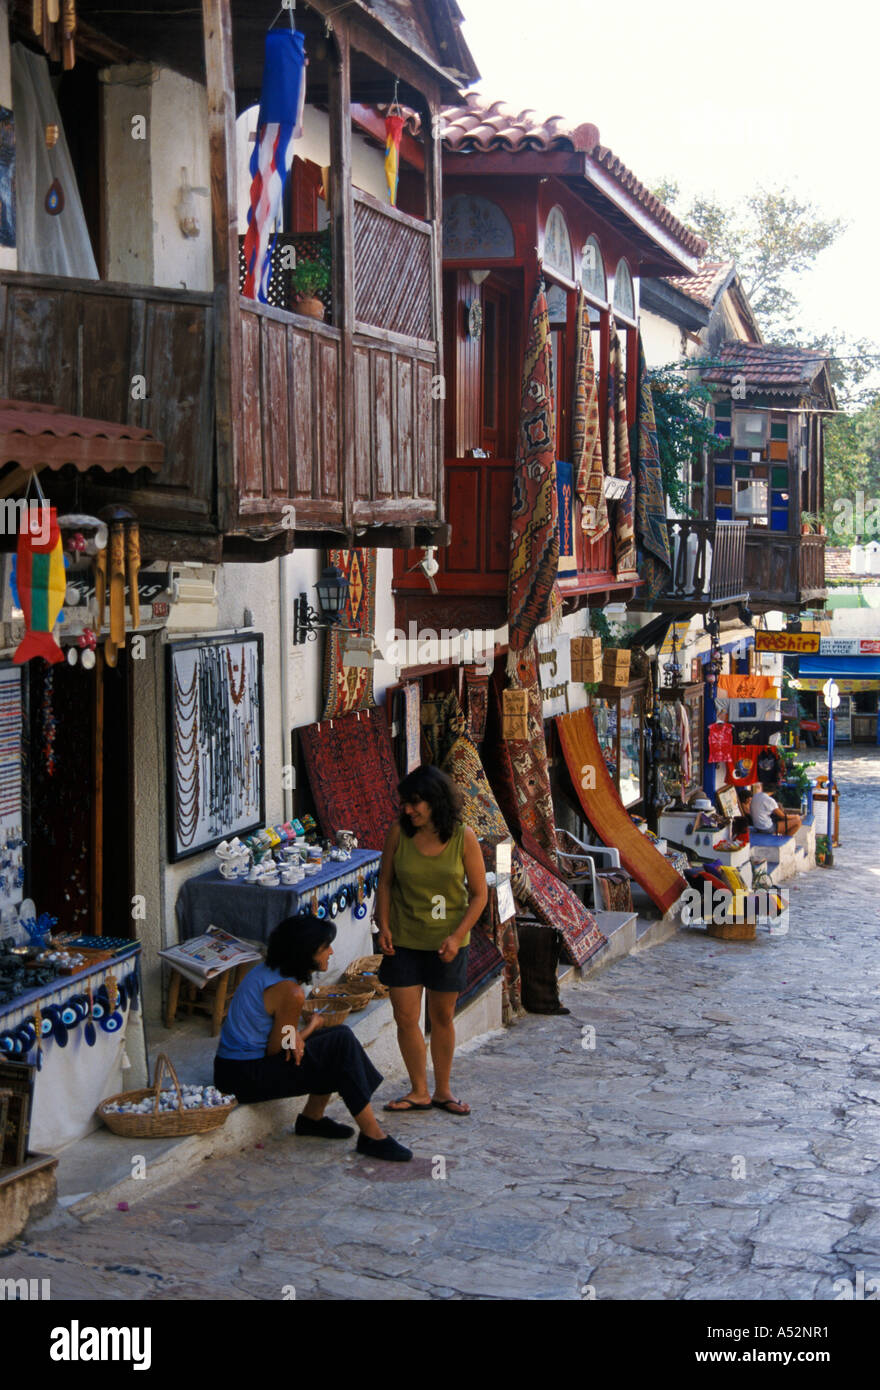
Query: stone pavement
[720,1140]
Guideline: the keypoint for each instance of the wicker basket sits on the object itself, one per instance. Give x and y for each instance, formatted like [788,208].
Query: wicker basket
[168,1125]
[332,1011]
[355,994]
[367,968]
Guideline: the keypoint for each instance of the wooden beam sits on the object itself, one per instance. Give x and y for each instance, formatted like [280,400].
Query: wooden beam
[434,214]
[220,82]
[342,237]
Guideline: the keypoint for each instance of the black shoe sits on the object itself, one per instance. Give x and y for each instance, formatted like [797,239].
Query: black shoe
[383,1148]
[322,1129]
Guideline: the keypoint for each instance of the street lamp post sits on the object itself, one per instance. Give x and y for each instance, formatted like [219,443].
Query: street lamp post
[831,696]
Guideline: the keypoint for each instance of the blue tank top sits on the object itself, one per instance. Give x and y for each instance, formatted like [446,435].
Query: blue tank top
[245,1033]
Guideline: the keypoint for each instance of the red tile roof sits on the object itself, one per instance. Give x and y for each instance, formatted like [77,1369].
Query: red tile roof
[479,127]
[765,366]
[34,435]
[704,286]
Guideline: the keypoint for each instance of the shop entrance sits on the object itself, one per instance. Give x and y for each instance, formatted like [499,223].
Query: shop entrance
[78,786]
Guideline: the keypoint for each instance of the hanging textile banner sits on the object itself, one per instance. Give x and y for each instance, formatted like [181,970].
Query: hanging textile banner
[565,504]
[348,679]
[749,687]
[618,458]
[586,435]
[278,125]
[394,124]
[7,177]
[534,533]
[655,564]
[753,732]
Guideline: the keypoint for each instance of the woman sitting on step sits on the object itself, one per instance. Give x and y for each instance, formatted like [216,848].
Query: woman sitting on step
[263,1053]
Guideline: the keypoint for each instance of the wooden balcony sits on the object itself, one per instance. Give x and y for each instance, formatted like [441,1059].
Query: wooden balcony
[333,428]
[783,571]
[472,580]
[708,567]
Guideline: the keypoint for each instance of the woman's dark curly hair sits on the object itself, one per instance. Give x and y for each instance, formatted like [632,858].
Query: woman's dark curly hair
[428,783]
[294,944]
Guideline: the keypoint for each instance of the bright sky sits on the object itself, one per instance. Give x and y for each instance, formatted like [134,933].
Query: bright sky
[720,98]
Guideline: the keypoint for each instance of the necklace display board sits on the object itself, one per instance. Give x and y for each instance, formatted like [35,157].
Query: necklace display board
[12,826]
[214,744]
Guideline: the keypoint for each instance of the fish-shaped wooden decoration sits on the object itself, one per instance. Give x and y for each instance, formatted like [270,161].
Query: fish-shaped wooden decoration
[41,585]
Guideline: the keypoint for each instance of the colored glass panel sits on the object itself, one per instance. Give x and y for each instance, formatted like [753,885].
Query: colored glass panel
[723,514]
[723,494]
[779,431]
[742,455]
[778,449]
[780,499]
[779,520]
[722,427]
[723,472]
[722,409]
[759,470]
[742,470]
[779,477]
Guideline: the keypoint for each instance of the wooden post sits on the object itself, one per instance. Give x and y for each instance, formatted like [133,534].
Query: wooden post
[342,242]
[220,81]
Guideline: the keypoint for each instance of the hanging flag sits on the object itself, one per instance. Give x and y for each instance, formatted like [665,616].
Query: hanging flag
[279,124]
[393,131]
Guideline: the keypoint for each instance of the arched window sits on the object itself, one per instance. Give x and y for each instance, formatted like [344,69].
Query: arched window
[475,227]
[593,270]
[557,245]
[624,294]
[557,304]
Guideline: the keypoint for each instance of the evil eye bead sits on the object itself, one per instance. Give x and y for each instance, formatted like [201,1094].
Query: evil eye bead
[98,1009]
[45,1026]
[59,1030]
[342,899]
[333,906]
[7,1044]
[69,1016]
[322,909]
[28,1033]
[111,1023]
[360,911]
[121,997]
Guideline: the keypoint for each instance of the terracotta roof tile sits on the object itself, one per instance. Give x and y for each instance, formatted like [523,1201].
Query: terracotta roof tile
[479,127]
[34,434]
[764,365]
[704,285]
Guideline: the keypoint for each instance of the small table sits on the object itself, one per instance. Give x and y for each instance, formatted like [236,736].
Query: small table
[217,998]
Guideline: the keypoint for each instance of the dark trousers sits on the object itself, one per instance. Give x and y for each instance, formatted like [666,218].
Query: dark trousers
[333,1061]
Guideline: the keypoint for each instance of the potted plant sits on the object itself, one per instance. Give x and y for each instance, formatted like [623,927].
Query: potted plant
[808,522]
[308,280]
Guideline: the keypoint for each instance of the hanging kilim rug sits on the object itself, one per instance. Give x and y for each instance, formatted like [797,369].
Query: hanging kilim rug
[351,687]
[586,435]
[531,775]
[653,537]
[350,763]
[618,458]
[554,903]
[477,688]
[534,534]
[412,726]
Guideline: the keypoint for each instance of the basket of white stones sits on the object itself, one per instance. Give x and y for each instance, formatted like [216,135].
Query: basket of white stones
[157,1113]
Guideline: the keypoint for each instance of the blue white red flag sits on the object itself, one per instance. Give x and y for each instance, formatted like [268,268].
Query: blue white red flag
[279,124]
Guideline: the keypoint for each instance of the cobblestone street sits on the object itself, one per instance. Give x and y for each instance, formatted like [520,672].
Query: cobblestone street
[722,1140]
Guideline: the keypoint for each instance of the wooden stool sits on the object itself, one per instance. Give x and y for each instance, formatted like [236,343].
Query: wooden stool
[213,998]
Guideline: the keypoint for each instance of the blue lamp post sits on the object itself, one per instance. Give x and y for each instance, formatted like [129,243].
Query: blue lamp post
[831,696]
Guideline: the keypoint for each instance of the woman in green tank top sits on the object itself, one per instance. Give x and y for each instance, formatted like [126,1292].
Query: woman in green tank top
[432,890]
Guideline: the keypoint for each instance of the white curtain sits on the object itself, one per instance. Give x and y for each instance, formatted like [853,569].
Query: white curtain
[47,245]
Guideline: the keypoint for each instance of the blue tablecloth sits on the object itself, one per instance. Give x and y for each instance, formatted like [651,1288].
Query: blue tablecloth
[252,911]
[65,985]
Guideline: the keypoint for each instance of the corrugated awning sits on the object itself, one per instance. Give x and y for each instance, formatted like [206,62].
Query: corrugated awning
[832,666]
[34,435]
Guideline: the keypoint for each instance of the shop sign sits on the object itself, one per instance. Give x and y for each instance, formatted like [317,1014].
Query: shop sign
[849,646]
[554,672]
[846,686]
[801,642]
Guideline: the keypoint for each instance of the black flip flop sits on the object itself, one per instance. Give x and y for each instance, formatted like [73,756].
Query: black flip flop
[445,1104]
[403,1105]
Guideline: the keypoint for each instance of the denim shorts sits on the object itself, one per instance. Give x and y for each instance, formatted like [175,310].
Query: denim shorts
[411,967]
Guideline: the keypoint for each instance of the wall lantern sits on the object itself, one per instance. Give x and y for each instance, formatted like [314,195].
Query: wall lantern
[332,595]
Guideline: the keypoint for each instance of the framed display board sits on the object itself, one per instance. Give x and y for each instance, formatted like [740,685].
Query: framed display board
[214,741]
[728,800]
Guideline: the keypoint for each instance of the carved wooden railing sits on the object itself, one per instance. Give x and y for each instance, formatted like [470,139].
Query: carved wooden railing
[811,568]
[708,560]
